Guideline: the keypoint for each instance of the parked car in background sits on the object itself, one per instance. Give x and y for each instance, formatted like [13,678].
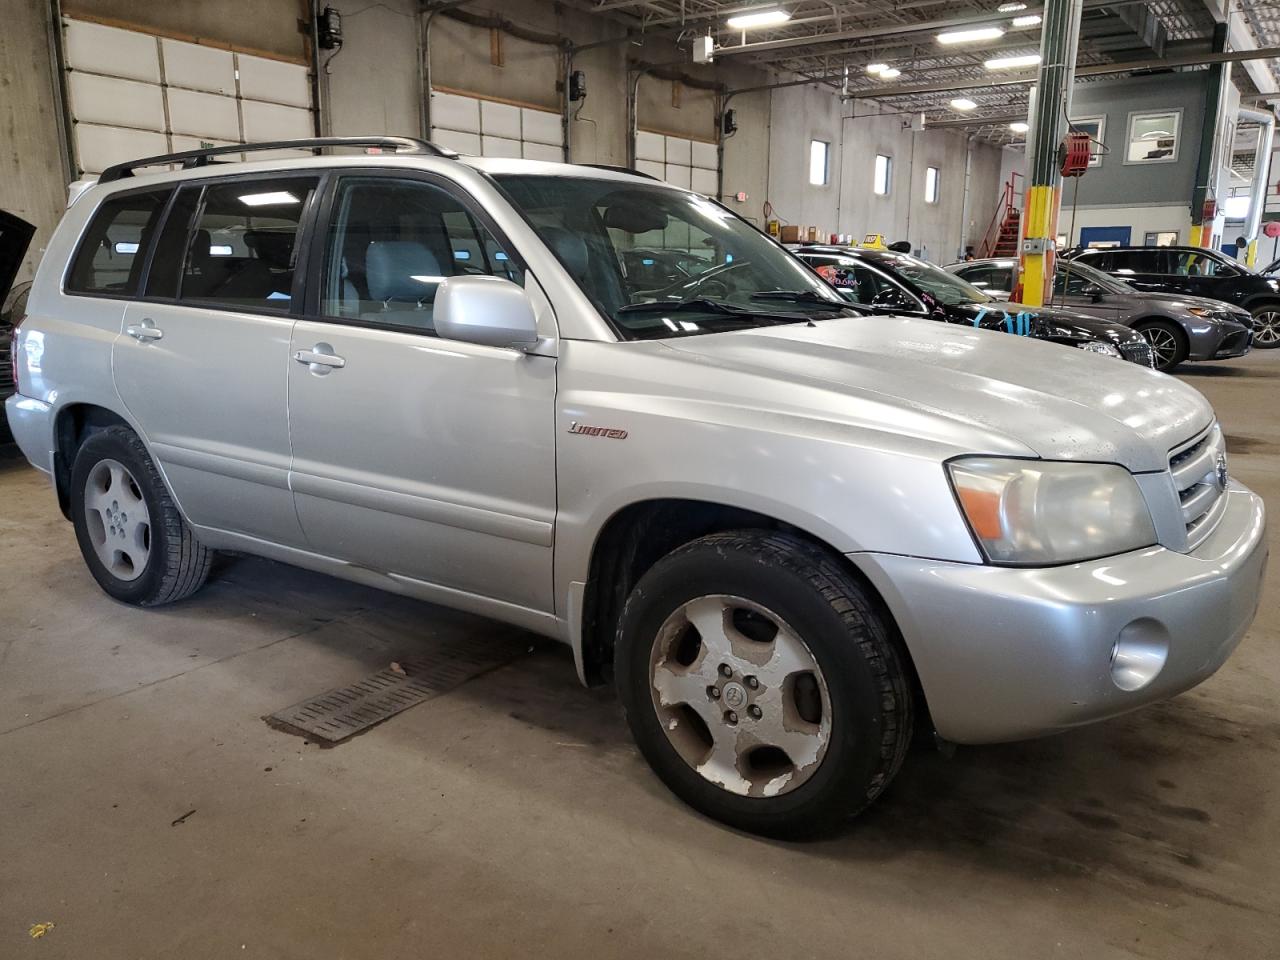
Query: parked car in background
[902,285]
[658,268]
[1177,327]
[1195,272]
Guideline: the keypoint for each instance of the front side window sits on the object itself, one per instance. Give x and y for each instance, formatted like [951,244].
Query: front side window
[1199,263]
[391,243]
[114,246]
[819,152]
[883,177]
[720,273]
[1153,137]
[990,279]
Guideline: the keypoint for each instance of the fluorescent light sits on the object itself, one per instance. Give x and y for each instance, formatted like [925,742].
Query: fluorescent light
[1005,63]
[890,73]
[1028,21]
[877,67]
[277,199]
[1011,7]
[1019,127]
[760,18]
[971,36]
[963,103]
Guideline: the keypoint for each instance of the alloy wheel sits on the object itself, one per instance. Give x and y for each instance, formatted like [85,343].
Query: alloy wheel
[1164,344]
[117,519]
[740,696]
[1266,327]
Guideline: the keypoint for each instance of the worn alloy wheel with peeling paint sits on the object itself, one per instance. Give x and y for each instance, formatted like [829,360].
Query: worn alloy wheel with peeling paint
[761,684]
[133,539]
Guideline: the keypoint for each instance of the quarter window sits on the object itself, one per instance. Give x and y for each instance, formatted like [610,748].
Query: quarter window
[111,254]
[883,179]
[392,243]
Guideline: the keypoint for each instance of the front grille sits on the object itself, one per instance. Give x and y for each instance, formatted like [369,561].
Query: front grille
[1234,343]
[1138,353]
[1199,470]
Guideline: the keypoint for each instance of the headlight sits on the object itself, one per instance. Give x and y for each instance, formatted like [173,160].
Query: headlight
[1042,512]
[1200,311]
[1099,346]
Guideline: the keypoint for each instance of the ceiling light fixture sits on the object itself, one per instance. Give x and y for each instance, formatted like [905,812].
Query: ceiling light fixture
[1011,7]
[1030,20]
[1008,63]
[758,18]
[971,36]
[890,74]
[877,67]
[963,103]
[1019,127]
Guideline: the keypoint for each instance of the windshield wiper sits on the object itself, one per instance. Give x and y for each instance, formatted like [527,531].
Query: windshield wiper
[694,304]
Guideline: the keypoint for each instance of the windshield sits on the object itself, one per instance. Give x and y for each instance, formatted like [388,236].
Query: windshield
[946,287]
[1074,268]
[635,248]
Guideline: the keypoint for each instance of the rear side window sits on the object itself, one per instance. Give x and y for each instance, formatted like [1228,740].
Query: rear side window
[109,260]
[1141,261]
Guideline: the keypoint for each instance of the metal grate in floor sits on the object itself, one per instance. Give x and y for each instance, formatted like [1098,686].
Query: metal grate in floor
[345,711]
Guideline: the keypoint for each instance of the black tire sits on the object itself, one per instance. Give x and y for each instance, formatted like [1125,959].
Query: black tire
[1167,340]
[177,564]
[832,613]
[1266,325]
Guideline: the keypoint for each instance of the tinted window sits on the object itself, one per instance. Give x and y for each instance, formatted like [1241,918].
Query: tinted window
[242,247]
[392,242]
[114,246]
[1196,263]
[990,279]
[1140,261]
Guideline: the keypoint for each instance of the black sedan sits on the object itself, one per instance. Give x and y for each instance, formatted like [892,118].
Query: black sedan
[900,284]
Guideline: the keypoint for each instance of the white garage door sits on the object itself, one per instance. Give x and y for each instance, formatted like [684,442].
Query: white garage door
[685,163]
[132,94]
[489,128]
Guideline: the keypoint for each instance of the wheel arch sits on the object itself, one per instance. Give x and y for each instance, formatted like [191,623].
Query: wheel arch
[639,534]
[72,425]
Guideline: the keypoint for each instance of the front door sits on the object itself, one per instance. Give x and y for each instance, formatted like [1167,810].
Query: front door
[417,456]
[203,360]
[1077,292]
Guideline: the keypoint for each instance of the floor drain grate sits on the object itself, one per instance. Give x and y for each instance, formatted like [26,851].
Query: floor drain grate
[345,711]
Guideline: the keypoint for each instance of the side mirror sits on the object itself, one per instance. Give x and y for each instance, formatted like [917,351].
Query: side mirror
[487,310]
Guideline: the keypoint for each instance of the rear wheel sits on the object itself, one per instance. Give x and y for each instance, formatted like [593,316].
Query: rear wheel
[761,684]
[1266,326]
[1167,340]
[133,539]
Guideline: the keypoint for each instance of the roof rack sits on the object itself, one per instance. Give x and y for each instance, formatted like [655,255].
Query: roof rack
[618,168]
[203,157]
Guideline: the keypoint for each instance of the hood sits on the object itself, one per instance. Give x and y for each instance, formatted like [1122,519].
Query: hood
[1057,323]
[983,391]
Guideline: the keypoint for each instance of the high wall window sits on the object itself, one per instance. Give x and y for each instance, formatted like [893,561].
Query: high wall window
[883,175]
[1153,137]
[930,184]
[819,156]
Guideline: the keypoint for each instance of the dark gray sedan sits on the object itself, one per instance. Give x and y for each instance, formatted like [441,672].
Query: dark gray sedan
[1178,328]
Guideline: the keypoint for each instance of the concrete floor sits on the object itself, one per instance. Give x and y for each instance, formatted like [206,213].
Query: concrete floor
[512,817]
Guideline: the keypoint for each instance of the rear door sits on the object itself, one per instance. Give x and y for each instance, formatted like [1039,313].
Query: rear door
[15,237]
[1149,268]
[202,362]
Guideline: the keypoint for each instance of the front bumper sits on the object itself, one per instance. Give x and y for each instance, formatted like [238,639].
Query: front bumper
[1220,341]
[1007,654]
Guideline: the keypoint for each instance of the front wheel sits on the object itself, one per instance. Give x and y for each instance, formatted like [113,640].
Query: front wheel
[133,539]
[761,683]
[1266,326]
[1168,343]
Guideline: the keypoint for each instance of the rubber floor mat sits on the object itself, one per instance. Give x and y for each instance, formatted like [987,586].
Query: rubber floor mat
[345,711]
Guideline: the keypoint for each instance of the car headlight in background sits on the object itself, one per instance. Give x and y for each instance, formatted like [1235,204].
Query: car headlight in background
[1043,512]
[1099,346]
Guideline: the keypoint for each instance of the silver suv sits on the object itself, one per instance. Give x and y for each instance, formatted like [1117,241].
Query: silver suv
[790,533]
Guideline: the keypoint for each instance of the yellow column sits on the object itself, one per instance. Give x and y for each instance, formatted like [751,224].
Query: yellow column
[1038,253]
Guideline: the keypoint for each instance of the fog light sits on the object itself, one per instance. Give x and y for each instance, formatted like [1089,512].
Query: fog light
[1139,654]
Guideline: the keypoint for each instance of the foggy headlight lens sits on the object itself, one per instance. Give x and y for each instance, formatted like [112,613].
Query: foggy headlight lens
[1041,512]
[1097,346]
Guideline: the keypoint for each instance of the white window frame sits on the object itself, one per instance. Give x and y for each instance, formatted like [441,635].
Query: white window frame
[1176,113]
[1095,151]
[888,175]
[814,143]
[934,174]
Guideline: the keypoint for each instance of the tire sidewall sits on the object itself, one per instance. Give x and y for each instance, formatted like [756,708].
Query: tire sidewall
[118,443]
[846,776]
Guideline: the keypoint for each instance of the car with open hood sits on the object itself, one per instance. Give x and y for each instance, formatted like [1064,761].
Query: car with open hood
[789,532]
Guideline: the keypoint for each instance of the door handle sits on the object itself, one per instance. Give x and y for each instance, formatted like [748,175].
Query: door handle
[320,358]
[146,330]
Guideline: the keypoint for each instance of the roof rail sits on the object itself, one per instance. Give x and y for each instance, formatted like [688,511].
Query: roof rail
[618,168]
[203,157]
